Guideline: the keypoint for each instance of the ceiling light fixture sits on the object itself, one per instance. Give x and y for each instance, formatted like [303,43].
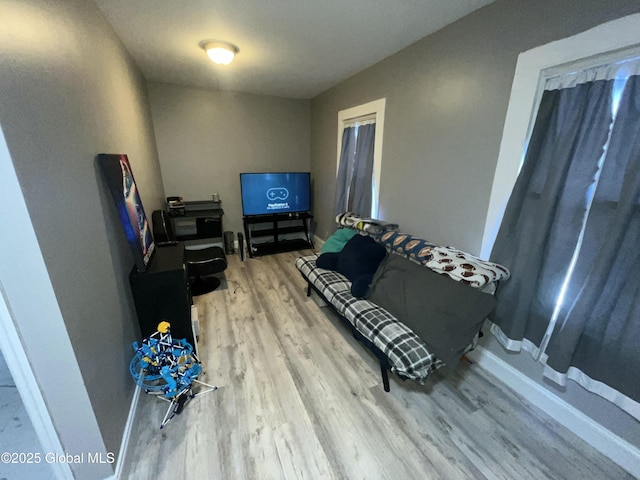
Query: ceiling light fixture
[221,53]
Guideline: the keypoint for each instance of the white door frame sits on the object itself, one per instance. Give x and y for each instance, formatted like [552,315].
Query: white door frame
[11,343]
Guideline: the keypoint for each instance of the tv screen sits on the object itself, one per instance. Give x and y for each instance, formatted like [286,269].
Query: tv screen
[271,193]
[119,176]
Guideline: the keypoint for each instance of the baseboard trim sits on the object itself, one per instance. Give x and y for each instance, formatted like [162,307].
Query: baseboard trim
[616,448]
[124,445]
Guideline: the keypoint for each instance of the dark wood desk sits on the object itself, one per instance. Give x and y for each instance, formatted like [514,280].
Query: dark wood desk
[199,220]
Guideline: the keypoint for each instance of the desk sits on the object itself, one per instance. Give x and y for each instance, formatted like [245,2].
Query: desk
[200,220]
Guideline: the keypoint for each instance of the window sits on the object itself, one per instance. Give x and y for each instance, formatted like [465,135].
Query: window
[572,220]
[360,156]
[526,92]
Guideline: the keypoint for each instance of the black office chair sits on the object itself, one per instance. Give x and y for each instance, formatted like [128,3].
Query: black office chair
[201,264]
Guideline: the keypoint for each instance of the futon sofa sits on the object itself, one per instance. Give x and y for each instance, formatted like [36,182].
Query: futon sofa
[416,305]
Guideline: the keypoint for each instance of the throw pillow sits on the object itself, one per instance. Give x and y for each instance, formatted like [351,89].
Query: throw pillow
[444,313]
[360,256]
[328,261]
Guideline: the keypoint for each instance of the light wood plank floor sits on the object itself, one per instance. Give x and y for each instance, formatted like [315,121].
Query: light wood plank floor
[299,398]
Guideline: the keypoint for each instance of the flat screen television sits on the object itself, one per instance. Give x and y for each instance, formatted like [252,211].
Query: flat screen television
[277,192]
[117,171]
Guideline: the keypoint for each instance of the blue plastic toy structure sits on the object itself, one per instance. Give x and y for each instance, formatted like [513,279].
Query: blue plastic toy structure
[168,368]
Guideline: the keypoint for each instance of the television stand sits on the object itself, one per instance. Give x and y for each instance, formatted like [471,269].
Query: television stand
[254,227]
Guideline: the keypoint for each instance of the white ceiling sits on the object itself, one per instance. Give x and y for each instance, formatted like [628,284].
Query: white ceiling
[289,48]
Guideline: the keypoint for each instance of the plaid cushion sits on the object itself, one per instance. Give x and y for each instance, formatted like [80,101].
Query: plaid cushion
[407,353]
[329,283]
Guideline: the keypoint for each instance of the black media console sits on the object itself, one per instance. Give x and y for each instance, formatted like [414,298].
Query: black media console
[162,293]
[270,228]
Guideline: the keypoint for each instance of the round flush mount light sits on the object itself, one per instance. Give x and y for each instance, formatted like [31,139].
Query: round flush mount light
[221,53]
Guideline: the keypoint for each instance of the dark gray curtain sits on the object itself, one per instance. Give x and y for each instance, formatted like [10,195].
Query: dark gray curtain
[546,210]
[599,330]
[355,173]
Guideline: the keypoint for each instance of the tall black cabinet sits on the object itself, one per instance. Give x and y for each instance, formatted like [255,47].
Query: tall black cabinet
[162,293]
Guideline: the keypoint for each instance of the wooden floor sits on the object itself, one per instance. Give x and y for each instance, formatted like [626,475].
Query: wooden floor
[299,398]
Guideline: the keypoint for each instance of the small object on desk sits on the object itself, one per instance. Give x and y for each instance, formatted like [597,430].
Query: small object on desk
[216,198]
[175,205]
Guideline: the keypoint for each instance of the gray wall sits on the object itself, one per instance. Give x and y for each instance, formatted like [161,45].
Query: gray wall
[447,97]
[206,138]
[68,91]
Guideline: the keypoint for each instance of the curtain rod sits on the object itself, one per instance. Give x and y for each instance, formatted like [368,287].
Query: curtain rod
[368,118]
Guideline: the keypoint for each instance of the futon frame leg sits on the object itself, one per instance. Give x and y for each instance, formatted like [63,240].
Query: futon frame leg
[385,377]
[383,369]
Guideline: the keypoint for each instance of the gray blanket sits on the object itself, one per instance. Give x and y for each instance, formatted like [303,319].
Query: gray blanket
[444,313]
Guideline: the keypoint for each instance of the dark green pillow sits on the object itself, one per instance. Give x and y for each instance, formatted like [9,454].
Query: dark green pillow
[337,241]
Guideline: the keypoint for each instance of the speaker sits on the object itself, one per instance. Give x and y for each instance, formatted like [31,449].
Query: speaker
[228,243]
[241,245]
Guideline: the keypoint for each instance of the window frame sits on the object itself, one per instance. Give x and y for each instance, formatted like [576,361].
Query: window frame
[525,96]
[375,108]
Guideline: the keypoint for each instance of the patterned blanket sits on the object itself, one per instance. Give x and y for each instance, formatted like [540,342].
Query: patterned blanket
[460,266]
